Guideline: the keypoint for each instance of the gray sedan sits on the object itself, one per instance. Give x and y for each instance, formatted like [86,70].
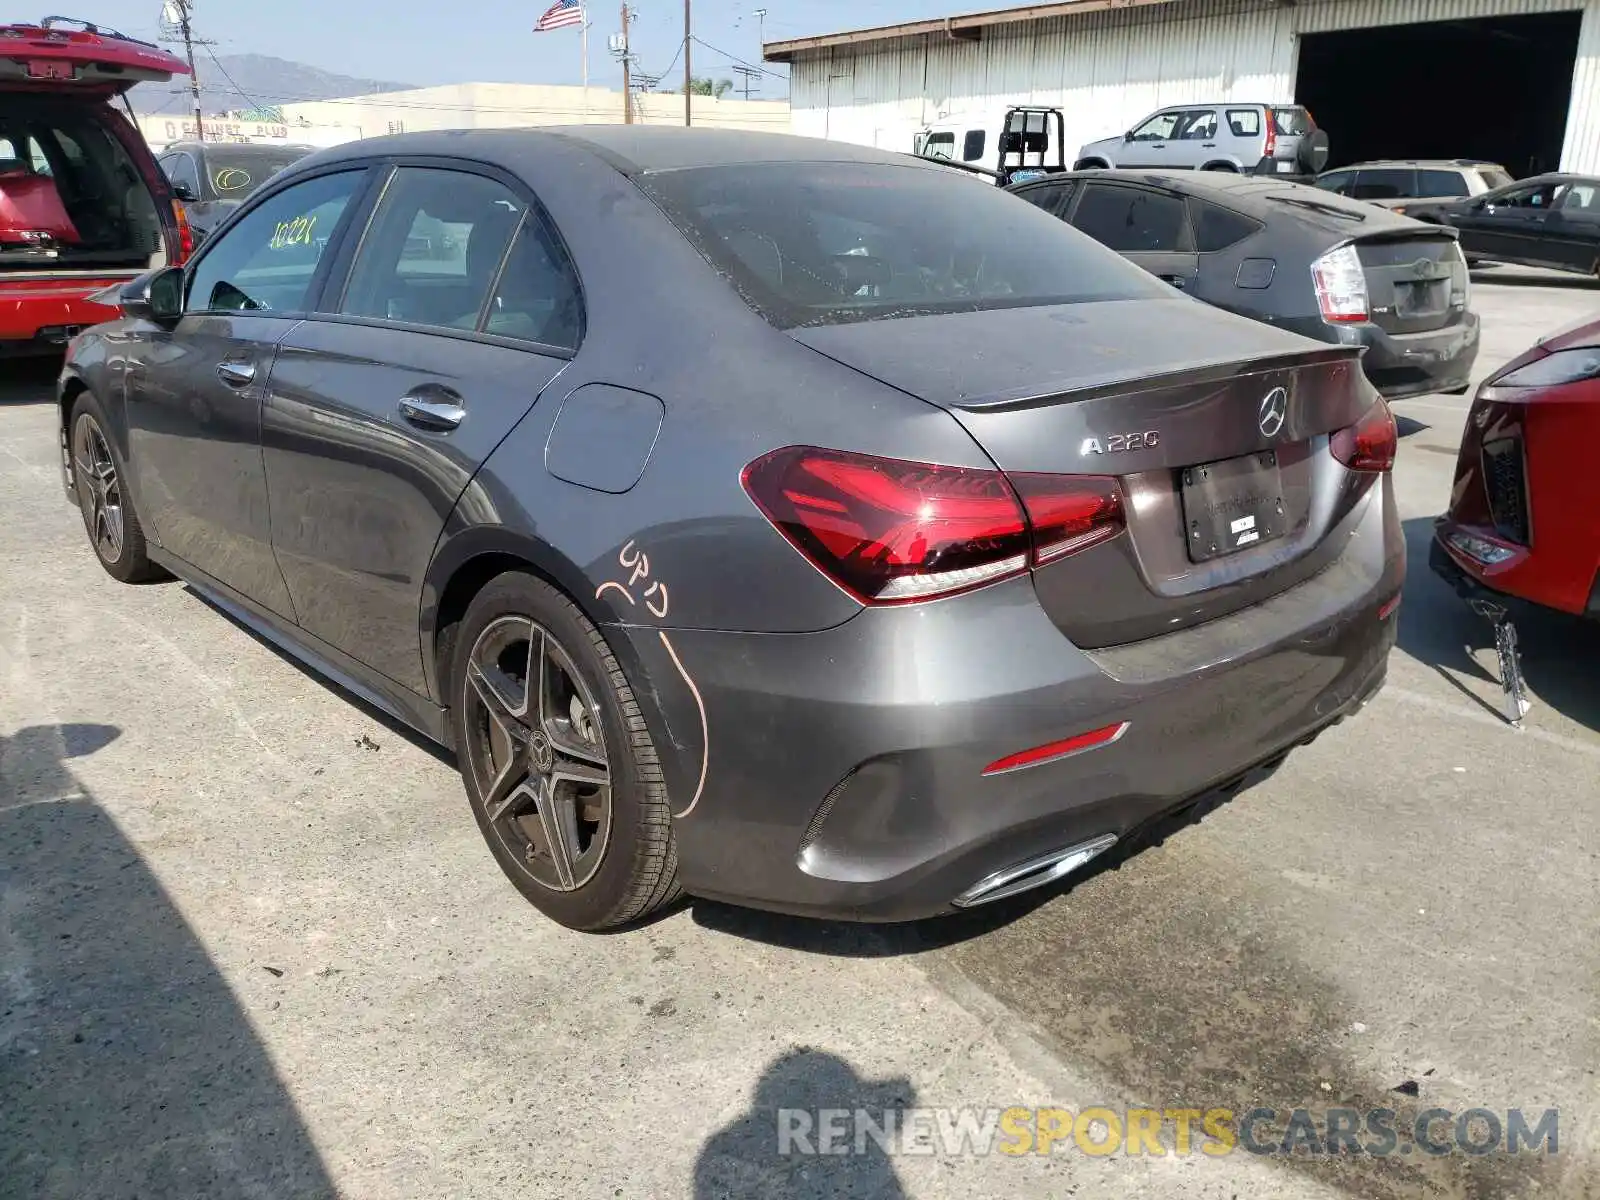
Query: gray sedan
[758,518]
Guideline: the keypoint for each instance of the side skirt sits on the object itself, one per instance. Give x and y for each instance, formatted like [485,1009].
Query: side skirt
[416,712]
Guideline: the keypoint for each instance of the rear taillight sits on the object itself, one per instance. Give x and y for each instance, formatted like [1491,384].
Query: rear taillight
[1341,286]
[185,234]
[891,532]
[1371,443]
[1272,134]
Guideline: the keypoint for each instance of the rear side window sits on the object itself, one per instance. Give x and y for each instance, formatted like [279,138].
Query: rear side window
[1217,228]
[267,260]
[972,146]
[823,243]
[1441,183]
[1494,177]
[1384,184]
[1244,122]
[1132,220]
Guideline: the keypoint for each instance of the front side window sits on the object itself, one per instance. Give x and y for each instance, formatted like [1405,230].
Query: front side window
[1132,220]
[1442,183]
[1541,197]
[1158,128]
[823,243]
[267,260]
[939,145]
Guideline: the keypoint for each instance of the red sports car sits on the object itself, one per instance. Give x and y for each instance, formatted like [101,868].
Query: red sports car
[1524,517]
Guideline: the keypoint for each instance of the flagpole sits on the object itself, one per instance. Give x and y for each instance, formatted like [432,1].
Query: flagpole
[583,10]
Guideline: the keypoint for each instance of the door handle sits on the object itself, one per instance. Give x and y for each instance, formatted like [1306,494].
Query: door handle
[1208,145]
[1177,281]
[236,373]
[434,415]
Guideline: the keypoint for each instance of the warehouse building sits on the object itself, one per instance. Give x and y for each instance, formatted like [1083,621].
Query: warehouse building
[1511,81]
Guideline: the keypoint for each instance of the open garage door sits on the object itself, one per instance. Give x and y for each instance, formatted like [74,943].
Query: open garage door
[1496,88]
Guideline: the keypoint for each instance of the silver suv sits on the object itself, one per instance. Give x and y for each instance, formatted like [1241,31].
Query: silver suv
[1399,184]
[1259,139]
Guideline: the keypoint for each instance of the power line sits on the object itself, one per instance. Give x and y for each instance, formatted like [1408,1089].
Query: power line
[254,103]
[740,61]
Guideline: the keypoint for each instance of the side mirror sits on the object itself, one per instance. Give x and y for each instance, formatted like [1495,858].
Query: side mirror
[163,299]
[185,193]
[1128,137]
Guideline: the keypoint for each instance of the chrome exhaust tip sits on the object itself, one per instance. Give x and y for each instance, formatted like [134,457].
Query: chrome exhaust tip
[1036,872]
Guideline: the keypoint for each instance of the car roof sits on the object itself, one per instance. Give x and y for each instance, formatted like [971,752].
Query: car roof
[631,149]
[1258,196]
[1443,164]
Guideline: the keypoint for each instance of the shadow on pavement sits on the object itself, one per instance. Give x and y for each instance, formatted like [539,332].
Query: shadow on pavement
[126,1066]
[29,380]
[1437,629]
[746,1160]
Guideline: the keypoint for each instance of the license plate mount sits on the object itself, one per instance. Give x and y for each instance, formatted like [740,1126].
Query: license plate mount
[1232,505]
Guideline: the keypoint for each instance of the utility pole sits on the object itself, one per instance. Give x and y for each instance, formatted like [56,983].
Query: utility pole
[627,82]
[688,75]
[761,24]
[179,13]
[748,74]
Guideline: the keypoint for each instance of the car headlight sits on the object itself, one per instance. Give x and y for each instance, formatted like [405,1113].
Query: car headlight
[1564,366]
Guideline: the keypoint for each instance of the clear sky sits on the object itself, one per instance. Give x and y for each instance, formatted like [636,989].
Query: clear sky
[431,43]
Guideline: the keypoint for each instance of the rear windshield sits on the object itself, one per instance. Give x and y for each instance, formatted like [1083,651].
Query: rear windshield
[70,193]
[829,243]
[1292,121]
[235,175]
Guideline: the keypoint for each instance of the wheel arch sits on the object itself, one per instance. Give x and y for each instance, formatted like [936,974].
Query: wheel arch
[1222,164]
[70,386]
[463,566]
[1091,164]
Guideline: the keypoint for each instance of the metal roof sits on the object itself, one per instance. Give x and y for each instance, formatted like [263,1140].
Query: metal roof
[968,27]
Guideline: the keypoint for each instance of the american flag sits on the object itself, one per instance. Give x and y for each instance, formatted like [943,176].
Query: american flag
[562,13]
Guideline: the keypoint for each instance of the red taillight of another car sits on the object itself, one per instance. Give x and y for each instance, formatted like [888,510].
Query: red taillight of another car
[185,234]
[1371,443]
[889,531]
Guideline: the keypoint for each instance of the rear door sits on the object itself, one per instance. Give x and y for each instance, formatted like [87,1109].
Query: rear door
[1384,185]
[1150,144]
[1197,139]
[1054,196]
[457,311]
[1146,225]
[1572,230]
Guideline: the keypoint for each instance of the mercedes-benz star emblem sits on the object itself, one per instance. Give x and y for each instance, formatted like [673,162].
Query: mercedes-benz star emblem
[540,750]
[1274,411]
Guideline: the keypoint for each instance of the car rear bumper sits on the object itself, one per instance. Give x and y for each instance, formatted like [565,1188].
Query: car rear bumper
[1409,364]
[40,316]
[844,771]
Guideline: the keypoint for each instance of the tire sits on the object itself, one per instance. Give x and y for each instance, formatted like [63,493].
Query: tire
[617,861]
[1313,155]
[109,516]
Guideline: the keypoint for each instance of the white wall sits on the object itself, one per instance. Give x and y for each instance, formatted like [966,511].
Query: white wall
[1108,69]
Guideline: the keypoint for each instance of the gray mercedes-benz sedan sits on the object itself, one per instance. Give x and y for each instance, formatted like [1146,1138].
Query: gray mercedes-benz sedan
[760,518]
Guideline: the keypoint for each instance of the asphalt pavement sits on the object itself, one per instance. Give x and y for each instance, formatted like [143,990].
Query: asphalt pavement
[252,945]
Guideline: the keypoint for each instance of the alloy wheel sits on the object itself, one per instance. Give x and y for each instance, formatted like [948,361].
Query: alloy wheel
[537,753]
[99,488]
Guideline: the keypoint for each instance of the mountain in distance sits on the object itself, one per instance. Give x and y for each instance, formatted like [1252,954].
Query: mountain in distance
[247,81]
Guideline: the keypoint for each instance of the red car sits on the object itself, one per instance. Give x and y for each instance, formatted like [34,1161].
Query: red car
[83,205]
[1524,517]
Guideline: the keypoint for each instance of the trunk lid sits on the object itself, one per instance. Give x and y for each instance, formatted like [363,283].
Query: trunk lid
[1416,279]
[1206,420]
[51,57]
